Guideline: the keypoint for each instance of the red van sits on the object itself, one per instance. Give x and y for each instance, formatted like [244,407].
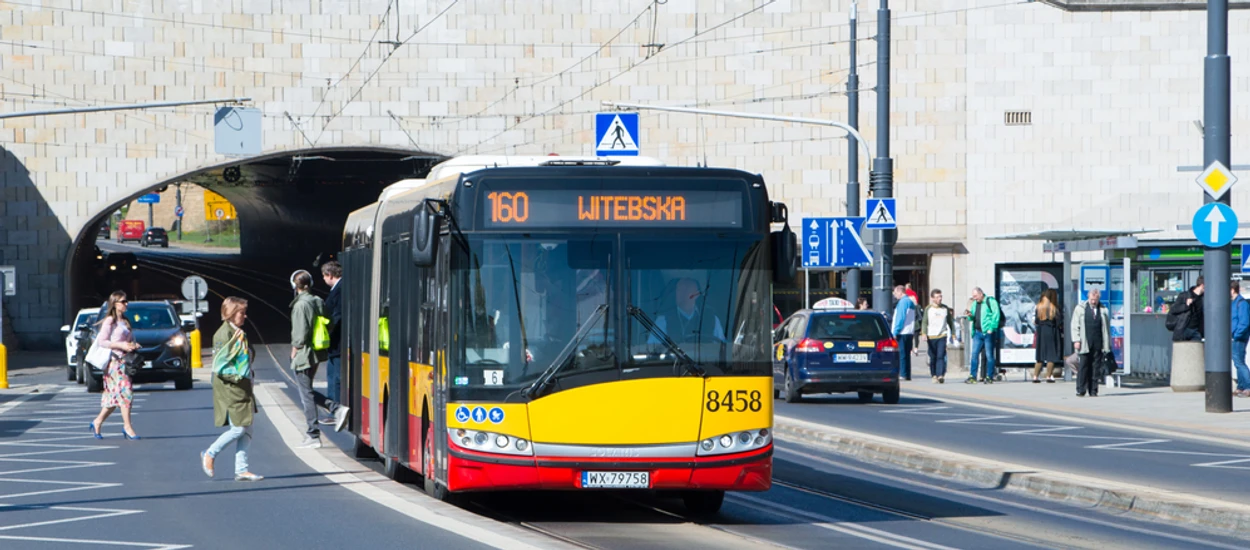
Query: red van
[130,230]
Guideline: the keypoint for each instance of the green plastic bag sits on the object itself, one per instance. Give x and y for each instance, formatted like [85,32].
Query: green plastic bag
[321,333]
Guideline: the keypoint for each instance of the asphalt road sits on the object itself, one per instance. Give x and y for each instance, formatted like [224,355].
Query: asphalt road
[1071,446]
[819,500]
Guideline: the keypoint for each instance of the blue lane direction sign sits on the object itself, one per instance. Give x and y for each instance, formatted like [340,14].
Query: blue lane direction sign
[1215,224]
[178,211]
[882,214]
[1245,258]
[150,198]
[833,243]
[616,134]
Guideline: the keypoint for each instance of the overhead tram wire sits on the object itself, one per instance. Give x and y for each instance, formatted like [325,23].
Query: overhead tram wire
[381,64]
[651,4]
[365,51]
[622,73]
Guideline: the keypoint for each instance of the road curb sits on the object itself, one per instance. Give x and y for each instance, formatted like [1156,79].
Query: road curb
[1109,496]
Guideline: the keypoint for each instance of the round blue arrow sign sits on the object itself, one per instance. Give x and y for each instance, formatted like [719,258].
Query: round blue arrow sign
[1215,224]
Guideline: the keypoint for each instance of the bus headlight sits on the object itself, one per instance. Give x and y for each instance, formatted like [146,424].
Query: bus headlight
[736,442]
[489,442]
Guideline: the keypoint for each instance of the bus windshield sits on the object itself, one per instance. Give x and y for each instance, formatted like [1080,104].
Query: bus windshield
[522,302]
[548,311]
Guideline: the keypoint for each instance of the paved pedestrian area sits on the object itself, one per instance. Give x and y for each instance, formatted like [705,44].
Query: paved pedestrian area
[1131,405]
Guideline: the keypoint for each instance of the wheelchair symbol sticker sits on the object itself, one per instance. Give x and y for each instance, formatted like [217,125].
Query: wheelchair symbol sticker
[462,413]
[479,414]
[496,415]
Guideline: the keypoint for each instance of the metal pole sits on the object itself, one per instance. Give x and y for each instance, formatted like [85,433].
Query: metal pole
[806,285]
[732,114]
[1069,306]
[852,154]
[178,199]
[130,107]
[150,223]
[1216,266]
[881,179]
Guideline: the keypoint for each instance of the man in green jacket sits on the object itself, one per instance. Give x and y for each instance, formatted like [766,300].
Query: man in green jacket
[305,309]
[985,315]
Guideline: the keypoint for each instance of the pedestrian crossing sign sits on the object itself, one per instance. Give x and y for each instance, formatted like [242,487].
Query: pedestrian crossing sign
[1245,258]
[882,214]
[616,134]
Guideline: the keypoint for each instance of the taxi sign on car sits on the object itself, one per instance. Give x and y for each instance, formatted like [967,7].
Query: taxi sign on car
[833,303]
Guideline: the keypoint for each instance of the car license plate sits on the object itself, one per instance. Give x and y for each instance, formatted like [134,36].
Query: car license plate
[616,480]
[147,364]
[850,358]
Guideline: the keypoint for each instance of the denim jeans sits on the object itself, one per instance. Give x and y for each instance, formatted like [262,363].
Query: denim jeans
[983,341]
[937,356]
[332,379]
[241,436]
[1239,361]
[904,355]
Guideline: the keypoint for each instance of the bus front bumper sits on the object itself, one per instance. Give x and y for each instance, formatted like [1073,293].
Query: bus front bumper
[473,471]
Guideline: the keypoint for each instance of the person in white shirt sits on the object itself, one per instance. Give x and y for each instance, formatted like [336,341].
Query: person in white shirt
[937,322]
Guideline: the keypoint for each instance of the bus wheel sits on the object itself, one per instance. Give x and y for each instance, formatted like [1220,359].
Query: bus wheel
[360,449]
[704,503]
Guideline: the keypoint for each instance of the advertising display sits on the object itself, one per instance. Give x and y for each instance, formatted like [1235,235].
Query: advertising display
[1018,288]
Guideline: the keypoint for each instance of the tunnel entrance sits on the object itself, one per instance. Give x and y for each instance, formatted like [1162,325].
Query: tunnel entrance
[290,209]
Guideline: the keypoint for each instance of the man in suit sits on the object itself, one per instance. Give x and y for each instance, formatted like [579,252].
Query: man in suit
[332,274]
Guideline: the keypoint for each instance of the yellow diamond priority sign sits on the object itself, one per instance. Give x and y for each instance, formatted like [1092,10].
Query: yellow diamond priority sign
[1216,179]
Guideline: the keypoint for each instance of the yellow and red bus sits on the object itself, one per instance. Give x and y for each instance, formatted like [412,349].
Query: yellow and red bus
[549,323]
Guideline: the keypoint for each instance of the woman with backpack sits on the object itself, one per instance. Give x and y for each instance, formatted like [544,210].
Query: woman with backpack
[115,336]
[307,353]
[234,404]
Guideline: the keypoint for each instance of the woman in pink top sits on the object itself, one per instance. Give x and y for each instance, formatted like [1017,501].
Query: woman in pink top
[115,335]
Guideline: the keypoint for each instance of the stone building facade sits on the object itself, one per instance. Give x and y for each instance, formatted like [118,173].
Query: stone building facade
[1110,91]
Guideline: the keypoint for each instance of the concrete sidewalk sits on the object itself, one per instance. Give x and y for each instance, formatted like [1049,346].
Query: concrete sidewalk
[25,363]
[1136,406]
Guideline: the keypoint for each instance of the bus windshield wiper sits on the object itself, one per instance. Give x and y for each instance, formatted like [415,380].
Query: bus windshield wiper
[567,353]
[646,322]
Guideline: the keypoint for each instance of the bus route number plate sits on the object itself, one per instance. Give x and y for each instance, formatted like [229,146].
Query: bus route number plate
[616,480]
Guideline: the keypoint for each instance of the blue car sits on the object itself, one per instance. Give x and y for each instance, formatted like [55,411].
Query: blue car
[835,351]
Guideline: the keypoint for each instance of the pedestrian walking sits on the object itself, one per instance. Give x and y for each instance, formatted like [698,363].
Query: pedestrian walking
[234,404]
[937,323]
[305,309]
[1186,317]
[332,274]
[985,315]
[118,392]
[904,330]
[1048,336]
[915,298]
[1241,334]
[1091,337]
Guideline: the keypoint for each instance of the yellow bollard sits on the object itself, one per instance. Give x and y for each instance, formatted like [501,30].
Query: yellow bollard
[4,368]
[197,362]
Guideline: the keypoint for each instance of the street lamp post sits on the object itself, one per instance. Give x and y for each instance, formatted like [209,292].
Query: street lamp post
[852,154]
[881,178]
[1216,261]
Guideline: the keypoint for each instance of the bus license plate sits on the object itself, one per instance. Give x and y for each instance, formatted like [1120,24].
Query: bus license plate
[851,358]
[616,480]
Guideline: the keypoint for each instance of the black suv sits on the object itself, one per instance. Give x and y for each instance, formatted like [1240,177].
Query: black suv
[154,236]
[164,346]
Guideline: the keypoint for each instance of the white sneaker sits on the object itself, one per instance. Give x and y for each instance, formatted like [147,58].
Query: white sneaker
[310,443]
[340,418]
[327,421]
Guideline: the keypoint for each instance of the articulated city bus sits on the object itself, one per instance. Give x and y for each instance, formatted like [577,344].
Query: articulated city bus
[573,324]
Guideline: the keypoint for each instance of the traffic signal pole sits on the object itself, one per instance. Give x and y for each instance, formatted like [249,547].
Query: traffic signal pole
[1216,265]
[881,178]
[852,154]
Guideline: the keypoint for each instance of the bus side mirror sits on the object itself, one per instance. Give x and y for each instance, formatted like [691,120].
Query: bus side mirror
[785,248]
[425,235]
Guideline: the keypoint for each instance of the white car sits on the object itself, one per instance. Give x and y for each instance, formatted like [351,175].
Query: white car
[85,316]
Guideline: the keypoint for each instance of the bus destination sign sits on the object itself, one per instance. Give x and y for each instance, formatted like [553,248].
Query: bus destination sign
[556,208]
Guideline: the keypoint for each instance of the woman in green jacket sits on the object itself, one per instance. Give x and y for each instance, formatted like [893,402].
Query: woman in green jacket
[233,401]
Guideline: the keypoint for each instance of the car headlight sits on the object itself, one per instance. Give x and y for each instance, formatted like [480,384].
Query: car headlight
[112,268]
[735,442]
[177,341]
[134,267]
[488,442]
